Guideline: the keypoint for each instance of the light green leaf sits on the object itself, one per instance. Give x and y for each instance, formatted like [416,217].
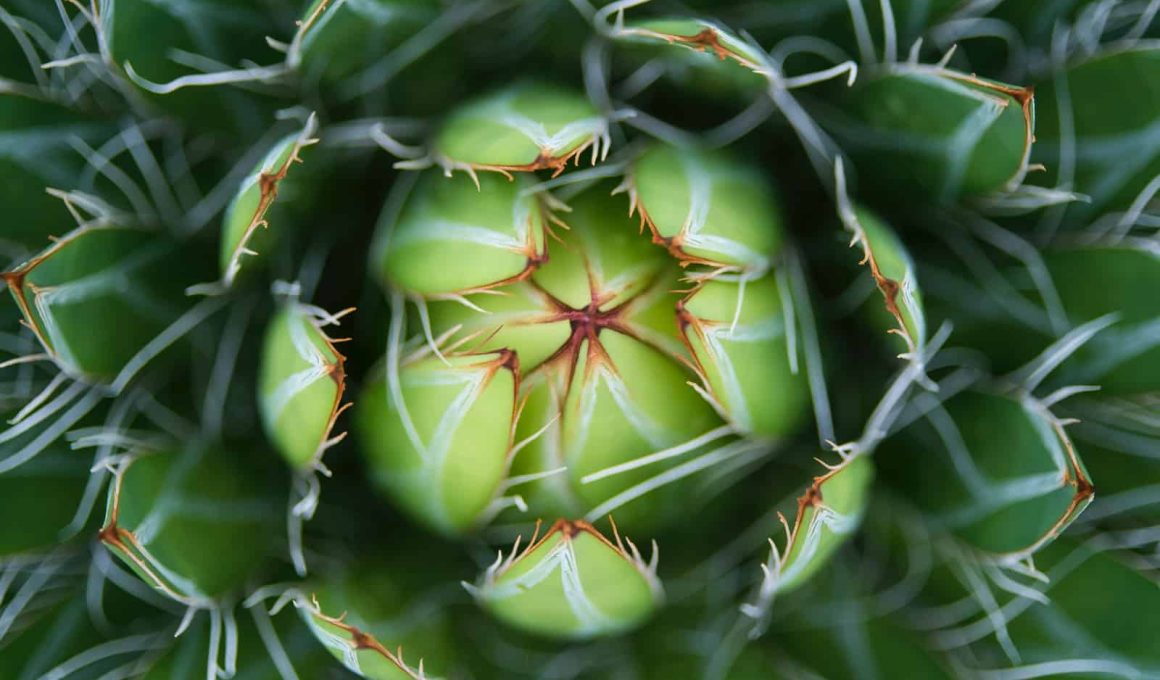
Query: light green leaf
[707,208]
[893,271]
[455,236]
[302,381]
[572,583]
[738,335]
[244,225]
[522,128]
[438,443]
[358,651]
[829,512]
[694,34]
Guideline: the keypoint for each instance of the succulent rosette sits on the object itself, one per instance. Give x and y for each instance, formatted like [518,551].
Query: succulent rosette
[416,339]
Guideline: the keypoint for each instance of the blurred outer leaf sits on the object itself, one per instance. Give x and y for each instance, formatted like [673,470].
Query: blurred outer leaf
[347,35]
[686,640]
[1093,281]
[1112,102]
[837,634]
[302,381]
[1036,22]
[522,128]
[1090,281]
[845,622]
[61,642]
[831,20]
[444,454]
[455,236]
[190,522]
[244,226]
[864,646]
[938,132]
[571,583]
[36,153]
[144,37]
[31,432]
[52,483]
[268,648]
[391,601]
[997,471]
[1120,438]
[745,368]
[1129,477]
[706,208]
[1102,617]
[98,295]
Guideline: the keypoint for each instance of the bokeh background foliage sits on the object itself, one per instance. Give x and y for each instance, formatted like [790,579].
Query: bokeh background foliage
[879,277]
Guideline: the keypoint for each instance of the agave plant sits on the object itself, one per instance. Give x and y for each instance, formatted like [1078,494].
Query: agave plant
[683,340]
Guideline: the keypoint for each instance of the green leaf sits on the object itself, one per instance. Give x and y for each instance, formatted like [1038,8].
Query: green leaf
[359,651]
[695,34]
[98,295]
[997,471]
[894,275]
[1120,440]
[192,523]
[934,132]
[601,260]
[525,319]
[625,400]
[697,69]
[572,583]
